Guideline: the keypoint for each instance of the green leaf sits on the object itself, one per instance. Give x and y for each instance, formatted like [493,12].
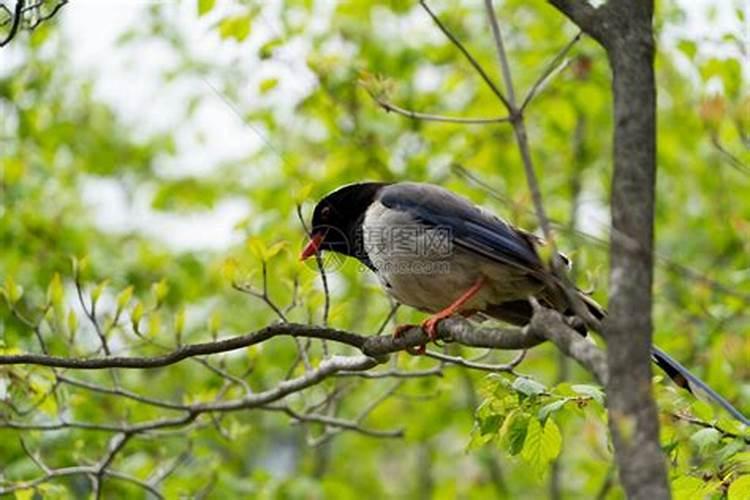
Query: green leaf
[79,265]
[528,386]
[13,291]
[205,6]
[123,298]
[179,323]
[591,391]
[478,439]
[688,47]
[739,489]
[136,315]
[542,444]
[160,291]
[702,410]
[96,293]
[214,323]
[274,250]
[55,291]
[154,325]
[26,494]
[705,438]
[268,84]
[72,323]
[513,431]
[237,27]
[267,49]
[546,410]
[230,269]
[692,488]
[491,424]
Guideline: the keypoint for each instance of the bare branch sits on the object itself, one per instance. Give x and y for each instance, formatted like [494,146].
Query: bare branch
[735,162]
[458,360]
[161,474]
[337,422]
[504,65]
[91,315]
[708,425]
[431,372]
[552,326]
[321,270]
[15,24]
[188,350]
[389,107]
[554,66]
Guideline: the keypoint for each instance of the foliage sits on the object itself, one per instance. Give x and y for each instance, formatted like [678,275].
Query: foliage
[303,77]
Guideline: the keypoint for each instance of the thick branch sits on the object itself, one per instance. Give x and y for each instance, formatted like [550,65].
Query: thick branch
[457,330]
[583,14]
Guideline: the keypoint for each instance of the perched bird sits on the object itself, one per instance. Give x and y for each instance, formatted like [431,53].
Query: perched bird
[438,252]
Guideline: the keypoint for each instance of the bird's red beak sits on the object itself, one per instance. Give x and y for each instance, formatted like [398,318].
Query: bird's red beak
[312,246]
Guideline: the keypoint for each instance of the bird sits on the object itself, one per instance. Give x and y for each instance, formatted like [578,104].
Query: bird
[439,253]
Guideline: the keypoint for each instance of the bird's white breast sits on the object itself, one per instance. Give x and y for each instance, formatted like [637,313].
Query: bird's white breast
[416,264]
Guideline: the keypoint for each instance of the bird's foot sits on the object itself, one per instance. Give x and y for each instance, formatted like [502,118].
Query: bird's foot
[399,332]
[430,324]
[401,329]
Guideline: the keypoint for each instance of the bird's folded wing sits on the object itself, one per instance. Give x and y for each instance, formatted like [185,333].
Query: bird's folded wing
[471,228]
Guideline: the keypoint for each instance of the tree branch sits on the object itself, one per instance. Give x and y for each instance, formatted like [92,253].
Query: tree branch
[414,115]
[583,14]
[18,13]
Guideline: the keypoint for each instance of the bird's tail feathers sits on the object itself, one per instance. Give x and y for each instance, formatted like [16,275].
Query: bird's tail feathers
[682,377]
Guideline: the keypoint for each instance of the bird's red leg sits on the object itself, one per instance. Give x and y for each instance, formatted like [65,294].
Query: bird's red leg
[430,324]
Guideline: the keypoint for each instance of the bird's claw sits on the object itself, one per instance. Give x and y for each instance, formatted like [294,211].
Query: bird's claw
[401,329]
[399,332]
[430,324]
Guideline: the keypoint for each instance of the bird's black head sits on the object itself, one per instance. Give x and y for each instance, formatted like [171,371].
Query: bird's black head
[337,219]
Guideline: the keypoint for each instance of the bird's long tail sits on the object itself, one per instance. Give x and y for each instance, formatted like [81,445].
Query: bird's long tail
[682,377]
[674,370]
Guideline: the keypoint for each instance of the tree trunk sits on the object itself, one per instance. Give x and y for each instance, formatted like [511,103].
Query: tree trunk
[633,417]
[624,29]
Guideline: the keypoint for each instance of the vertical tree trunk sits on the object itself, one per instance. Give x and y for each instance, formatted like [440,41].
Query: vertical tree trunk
[624,29]
[633,418]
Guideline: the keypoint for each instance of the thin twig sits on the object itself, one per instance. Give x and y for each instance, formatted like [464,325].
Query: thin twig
[504,65]
[16,23]
[458,360]
[323,277]
[708,425]
[735,162]
[337,422]
[553,66]
[415,115]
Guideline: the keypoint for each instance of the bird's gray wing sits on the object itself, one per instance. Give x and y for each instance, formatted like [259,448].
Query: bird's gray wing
[471,228]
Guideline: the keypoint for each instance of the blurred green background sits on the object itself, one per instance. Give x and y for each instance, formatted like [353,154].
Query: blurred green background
[164,146]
